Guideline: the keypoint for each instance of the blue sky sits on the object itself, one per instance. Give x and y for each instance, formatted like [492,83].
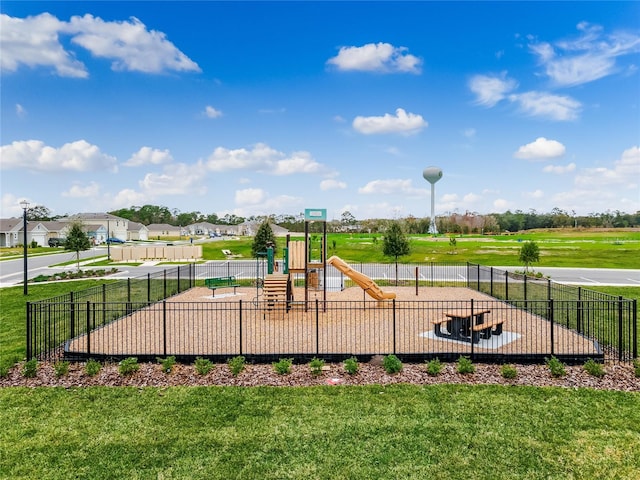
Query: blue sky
[253,108]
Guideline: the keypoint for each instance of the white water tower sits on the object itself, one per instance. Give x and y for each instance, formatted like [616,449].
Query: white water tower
[432,175]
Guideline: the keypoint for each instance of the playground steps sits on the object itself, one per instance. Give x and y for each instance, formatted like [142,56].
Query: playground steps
[275,290]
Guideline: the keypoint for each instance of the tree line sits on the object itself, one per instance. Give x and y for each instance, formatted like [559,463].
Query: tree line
[466,223]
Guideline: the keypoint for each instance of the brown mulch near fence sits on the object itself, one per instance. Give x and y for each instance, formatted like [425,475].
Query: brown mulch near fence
[617,377]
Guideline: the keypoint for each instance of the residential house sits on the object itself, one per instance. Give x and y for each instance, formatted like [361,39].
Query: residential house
[159,230]
[137,231]
[116,226]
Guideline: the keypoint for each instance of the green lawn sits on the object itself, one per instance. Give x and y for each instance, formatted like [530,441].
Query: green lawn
[399,432]
[595,250]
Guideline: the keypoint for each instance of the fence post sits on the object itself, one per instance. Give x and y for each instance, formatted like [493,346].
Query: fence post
[394,326]
[620,327]
[579,311]
[88,328]
[148,287]
[550,313]
[478,289]
[164,327]
[29,332]
[491,281]
[471,330]
[506,285]
[417,276]
[179,279]
[240,326]
[548,288]
[73,317]
[634,317]
[164,281]
[317,328]
[526,305]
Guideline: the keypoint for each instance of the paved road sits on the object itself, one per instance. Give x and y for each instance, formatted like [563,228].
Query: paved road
[11,271]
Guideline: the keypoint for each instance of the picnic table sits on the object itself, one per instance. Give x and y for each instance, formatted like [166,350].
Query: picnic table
[467,325]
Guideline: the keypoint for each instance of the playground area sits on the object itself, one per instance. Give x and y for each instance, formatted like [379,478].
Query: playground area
[195,323]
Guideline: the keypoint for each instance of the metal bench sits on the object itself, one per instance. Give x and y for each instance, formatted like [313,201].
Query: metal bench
[221,282]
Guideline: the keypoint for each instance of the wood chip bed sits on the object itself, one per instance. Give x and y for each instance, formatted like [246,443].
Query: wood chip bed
[195,323]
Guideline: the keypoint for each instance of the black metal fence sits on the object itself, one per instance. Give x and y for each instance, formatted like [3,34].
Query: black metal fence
[611,320]
[53,321]
[134,318]
[333,330]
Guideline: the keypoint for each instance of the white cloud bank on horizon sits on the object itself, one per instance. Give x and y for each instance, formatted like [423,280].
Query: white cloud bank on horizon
[35,42]
[403,123]
[376,57]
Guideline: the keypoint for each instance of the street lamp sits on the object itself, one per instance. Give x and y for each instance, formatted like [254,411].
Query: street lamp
[25,206]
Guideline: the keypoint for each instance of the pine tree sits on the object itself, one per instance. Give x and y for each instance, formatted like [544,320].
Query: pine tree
[77,241]
[264,238]
[395,243]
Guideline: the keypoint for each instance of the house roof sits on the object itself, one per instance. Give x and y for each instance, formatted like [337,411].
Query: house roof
[134,226]
[88,216]
[161,226]
[10,224]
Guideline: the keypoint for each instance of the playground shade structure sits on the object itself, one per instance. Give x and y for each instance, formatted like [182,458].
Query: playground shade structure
[364,282]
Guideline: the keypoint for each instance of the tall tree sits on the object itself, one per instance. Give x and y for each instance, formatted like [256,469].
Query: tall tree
[529,253]
[264,238]
[395,243]
[77,241]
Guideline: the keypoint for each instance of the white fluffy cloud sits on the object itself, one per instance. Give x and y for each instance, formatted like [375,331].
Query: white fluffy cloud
[590,56]
[536,194]
[211,112]
[392,186]
[175,179]
[79,156]
[92,190]
[490,90]
[540,149]
[262,159]
[332,184]
[35,41]
[402,122]
[560,169]
[256,201]
[543,104]
[376,57]
[625,172]
[149,156]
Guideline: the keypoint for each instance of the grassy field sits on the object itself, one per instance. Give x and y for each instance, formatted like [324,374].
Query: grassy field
[557,249]
[401,432]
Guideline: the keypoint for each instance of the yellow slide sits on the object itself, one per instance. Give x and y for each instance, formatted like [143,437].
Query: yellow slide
[361,279]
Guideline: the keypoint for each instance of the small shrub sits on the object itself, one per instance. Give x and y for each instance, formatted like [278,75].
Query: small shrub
[508,371]
[61,368]
[128,366]
[434,367]
[392,364]
[556,367]
[594,368]
[30,368]
[167,363]
[465,365]
[203,366]
[636,367]
[236,365]
[92,367]
[4,371]
[351,365]
[316,366]
[283,366]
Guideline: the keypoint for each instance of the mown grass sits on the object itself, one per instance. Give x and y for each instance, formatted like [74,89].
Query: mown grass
[592,250]
[403,431]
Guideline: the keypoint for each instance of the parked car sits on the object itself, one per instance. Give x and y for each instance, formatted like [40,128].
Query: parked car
[114,240]
[56,242]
